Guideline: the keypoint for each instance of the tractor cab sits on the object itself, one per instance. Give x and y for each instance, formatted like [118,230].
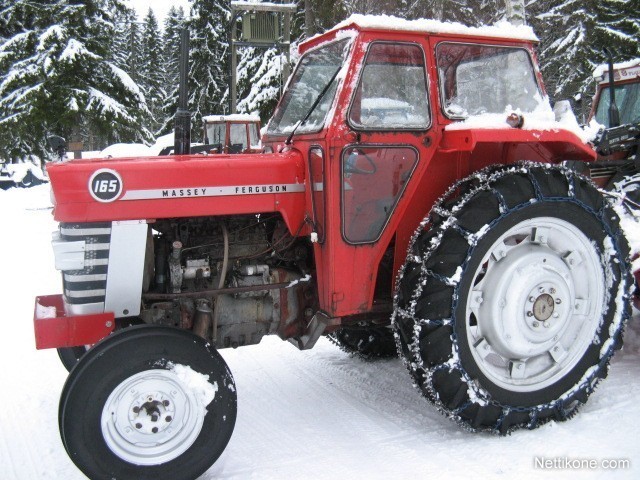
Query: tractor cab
[626,78]
[232,133]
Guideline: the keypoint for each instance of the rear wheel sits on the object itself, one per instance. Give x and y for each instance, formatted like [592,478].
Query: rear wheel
[366,341]
[512,304]
[150,403]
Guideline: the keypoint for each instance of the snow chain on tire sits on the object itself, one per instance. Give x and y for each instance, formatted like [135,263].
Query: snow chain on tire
[431,318]
[367,342]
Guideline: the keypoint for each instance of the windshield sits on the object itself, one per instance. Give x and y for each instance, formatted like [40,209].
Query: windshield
[314,72]
[477,79]
[215,133]
[627,100]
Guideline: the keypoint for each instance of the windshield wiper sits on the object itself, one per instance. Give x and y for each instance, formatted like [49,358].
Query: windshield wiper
[313,106]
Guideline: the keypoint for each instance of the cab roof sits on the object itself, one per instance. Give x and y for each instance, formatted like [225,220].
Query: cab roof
[502,29]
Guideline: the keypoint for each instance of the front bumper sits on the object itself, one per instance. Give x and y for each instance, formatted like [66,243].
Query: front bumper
[55,329]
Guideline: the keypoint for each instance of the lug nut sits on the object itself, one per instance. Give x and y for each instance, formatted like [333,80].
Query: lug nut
[154,418]
[529,314]
[154,429]
[138,425]
[535,324]
[165,403]
[546,324]
[552,291]
[558,301]
[531,299]
[136,409]
[168,418]
[541,289]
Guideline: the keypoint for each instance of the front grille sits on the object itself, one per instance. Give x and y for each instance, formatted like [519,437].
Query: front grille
[89,284]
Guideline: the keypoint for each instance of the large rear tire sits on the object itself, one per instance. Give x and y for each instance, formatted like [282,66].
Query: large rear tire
[148,402]
[511,304]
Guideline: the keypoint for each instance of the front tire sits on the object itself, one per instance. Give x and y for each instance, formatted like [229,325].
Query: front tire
[70,356]
[148,402]
[512,303]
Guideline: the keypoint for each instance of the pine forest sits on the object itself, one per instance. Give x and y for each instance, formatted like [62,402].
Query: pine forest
[95,72]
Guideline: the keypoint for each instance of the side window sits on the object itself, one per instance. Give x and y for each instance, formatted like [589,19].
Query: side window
[373,179]
[254,137]
[392,90]
[316,165]
[237,137]
[477,79]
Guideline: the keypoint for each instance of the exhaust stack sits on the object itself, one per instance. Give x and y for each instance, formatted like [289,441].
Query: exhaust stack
[182,139]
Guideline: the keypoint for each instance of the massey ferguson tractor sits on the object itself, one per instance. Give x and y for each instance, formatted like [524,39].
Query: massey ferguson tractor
[409,195]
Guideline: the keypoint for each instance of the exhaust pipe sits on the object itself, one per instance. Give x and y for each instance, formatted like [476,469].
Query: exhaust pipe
[182,139]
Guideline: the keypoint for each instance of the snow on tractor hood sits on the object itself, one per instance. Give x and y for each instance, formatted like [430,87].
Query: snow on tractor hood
[146,188]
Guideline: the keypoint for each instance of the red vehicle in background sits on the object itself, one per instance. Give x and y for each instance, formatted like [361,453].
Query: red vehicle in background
[238,133]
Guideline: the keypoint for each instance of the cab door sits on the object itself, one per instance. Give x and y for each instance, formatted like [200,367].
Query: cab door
[389,117]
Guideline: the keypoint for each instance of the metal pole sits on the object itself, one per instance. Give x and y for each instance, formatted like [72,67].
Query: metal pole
[233,63]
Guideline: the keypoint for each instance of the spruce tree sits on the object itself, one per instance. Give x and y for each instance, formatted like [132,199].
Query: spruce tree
[209,72]
[259,81]
[152,70]
[173,25]
[574,35]
[56,76]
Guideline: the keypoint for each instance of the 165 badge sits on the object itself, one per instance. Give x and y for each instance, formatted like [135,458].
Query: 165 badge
[105,185]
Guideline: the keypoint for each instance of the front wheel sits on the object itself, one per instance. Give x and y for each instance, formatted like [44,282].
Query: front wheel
[513,302]
[69,356]
[148,402]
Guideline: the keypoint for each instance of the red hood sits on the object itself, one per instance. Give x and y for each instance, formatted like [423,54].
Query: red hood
[178,186]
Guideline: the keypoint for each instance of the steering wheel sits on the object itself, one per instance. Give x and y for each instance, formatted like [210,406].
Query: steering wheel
[350,164]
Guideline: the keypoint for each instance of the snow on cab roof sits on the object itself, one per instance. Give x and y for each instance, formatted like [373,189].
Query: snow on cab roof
[236,117]
[502,29]
[604,68]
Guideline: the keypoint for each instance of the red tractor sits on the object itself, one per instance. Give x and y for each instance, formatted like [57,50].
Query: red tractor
[408,195]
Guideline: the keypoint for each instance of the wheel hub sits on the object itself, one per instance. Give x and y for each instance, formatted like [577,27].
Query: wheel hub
[521,315]
[543,307]
[152,413]
[534,304]
[151,418]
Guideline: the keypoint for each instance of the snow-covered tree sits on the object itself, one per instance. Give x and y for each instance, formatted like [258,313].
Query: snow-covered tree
[209,72]
[56,76]
[173,25]
[259,81]
[573,37]
[152,72]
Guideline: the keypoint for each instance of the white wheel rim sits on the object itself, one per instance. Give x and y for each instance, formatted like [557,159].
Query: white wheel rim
[535,304]
[151,418]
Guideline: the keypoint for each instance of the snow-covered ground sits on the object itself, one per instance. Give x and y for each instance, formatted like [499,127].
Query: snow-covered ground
[319,414]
